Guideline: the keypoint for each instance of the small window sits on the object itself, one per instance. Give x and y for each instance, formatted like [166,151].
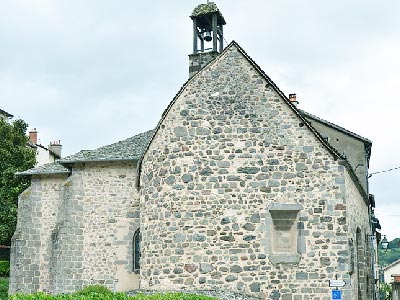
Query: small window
[136,250]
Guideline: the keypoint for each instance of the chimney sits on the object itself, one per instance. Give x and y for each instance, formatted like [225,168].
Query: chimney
[33,136]
[293,99]
[56,147]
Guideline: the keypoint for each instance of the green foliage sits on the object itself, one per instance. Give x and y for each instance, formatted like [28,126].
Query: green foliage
[171,296]
[15,156]
[385,291]
[4,268]
[391,255]
[94,289]
[3,288]
[101,293]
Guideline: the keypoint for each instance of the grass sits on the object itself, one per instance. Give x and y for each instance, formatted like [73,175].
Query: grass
[3,288]
[97,292]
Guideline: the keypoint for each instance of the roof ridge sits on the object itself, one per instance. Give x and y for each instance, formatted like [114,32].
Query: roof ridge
[392,264]
[111,152]
[331,149]
[336,126]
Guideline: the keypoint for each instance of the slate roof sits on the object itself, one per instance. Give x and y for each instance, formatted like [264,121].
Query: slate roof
[4,113]
[126,150]
[51,168]
[337,127]
[129,149]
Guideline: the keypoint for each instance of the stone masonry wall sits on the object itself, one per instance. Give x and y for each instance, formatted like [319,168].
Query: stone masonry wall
[100,216]
[352,148]
[37,214]
[228,151]
[77,231]
[112,215]
[358,219]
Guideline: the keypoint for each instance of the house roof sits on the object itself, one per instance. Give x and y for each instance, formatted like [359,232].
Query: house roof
[392,265]
[35,146]
[129,149]
[337,127]
[367,142]
[47,169]
[3,112]
[126,150]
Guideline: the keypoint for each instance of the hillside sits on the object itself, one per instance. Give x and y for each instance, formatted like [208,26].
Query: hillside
[391,255]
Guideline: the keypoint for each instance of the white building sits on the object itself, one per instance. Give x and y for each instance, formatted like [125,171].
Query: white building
[44,155]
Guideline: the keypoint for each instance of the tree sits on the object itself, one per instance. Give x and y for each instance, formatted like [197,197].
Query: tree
[386,257]
[385,291]
[15,156]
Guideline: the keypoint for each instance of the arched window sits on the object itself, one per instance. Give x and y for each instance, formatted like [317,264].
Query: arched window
[136,250]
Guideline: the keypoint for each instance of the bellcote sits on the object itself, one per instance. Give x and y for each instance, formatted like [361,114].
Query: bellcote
[208,36]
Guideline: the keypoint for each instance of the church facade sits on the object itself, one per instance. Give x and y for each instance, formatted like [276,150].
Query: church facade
[235,189]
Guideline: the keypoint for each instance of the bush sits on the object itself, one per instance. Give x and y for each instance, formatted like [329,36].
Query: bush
[99,292]
[94,289]
[4,268]
[171,296]
[3,288]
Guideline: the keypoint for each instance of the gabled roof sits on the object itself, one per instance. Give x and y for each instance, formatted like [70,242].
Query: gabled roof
[392,265]
[337,127]
[35,146]
[47,169]
[3,112]
[126,150]
[270,83]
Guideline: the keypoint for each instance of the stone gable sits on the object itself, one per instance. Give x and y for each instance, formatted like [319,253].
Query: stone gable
[228,150]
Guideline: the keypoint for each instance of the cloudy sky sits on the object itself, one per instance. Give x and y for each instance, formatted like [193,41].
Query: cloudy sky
[90,73]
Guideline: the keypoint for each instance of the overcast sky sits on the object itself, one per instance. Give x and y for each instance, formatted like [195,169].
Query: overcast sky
[93,72]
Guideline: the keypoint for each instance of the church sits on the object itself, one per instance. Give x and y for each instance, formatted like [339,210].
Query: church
[236,189]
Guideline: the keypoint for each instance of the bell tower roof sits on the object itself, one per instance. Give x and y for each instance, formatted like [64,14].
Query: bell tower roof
[205,10]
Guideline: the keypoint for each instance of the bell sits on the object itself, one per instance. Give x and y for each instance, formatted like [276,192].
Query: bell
[208,37]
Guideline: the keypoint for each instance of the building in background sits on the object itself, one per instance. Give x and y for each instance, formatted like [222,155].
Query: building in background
[391,270]
[5,115]
[44,155]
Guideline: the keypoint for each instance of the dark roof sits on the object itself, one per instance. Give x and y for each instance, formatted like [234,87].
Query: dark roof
[129,149]
[126,150]
[343,130]
[51,168]
[3,112]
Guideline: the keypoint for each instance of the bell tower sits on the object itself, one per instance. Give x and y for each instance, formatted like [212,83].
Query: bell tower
[208,36]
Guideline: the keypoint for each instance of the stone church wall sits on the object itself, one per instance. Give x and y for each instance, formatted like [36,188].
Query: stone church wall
[77,231]
[37,215]
[230,166]
[361,274]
